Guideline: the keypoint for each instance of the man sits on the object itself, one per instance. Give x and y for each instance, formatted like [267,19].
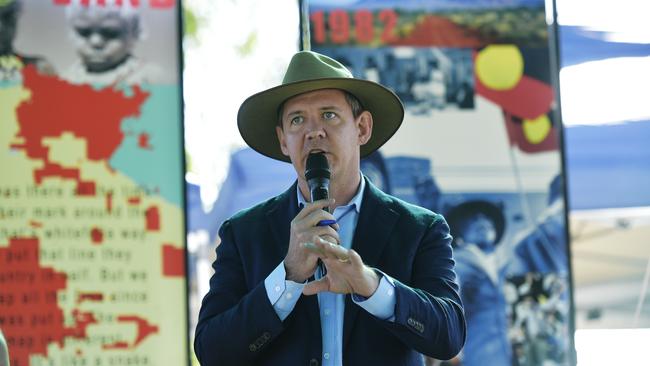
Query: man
[12,62]
[104,36]
[477,228]
[388,293]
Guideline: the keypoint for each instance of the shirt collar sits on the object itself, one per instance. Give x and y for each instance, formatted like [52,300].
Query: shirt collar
[355,202]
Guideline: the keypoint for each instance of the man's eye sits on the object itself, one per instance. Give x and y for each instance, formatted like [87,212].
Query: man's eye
[329,115]
[297,120]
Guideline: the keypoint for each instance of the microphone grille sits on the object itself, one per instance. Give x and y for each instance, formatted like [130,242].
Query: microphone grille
[317,166]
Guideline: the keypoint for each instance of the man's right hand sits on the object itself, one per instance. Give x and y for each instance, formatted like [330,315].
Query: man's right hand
[300,263]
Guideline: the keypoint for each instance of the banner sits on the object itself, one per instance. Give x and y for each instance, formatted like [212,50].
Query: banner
[479,144]
[92,240]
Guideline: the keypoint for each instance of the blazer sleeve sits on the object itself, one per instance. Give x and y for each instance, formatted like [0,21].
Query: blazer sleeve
[235,323]
[429,315]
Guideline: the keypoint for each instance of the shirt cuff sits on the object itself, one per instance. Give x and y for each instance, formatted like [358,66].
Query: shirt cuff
[283,294]
[381,304]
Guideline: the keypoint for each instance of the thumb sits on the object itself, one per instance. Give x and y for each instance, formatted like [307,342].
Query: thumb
[317,286]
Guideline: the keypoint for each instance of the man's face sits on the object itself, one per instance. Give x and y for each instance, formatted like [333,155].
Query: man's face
[8,20]
[481,231]
[103,39]
[322,120]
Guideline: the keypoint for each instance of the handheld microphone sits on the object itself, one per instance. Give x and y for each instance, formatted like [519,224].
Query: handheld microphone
[318,174]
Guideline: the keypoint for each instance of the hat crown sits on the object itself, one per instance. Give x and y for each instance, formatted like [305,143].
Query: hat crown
[308,65]
[308,71]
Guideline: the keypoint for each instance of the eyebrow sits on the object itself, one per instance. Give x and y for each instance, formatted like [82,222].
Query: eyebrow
[325,108]
[294,113]
[330,108]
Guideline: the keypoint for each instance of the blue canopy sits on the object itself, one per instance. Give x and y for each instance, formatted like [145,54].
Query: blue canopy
[608,166]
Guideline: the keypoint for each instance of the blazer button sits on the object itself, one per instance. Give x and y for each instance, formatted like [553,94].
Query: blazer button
[410,321]
[252,347]
[313,362]
[266,336]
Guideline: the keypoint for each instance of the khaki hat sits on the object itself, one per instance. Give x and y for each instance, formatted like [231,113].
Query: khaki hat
[309,71]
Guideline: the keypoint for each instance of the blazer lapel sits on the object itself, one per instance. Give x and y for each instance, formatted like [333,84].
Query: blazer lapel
[376,222]
[279,218]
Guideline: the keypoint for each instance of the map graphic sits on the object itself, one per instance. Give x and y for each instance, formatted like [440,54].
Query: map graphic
[92,256]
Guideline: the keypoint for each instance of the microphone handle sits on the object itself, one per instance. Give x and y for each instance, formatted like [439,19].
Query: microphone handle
[320,192]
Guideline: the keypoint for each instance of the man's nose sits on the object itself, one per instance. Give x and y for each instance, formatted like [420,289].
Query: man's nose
[315,129]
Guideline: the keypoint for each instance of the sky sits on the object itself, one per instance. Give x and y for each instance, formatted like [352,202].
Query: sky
[613,90]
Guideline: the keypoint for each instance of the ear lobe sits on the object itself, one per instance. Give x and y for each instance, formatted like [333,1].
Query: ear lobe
[283,144]
[364,123]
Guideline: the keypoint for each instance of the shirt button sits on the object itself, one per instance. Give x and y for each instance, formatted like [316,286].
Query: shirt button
[278,288]
[326,356]
[390,292]
[327,311]
[289,296]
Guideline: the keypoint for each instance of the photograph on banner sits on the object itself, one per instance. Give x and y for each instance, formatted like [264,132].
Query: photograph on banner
[425,79]
[93,42]
[481,148]
[92,241]
[434,23]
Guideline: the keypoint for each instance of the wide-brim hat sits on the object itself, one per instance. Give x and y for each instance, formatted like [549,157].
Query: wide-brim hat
[458,214]
[309,71]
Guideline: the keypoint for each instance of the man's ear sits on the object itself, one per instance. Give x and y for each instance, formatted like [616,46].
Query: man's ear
[283,142]
[364,124]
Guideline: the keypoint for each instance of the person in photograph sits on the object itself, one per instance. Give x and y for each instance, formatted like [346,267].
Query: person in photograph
[104,37]
[477,227]
[386,291]
[11,61]
[542,247]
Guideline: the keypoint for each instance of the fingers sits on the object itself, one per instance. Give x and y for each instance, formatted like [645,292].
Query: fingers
[315,287]
[313,248]
[305,226]
[319,218]
[330,250]
[314,207]
[355,258]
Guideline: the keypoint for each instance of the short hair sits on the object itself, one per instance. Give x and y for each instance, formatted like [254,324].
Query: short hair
[353,102]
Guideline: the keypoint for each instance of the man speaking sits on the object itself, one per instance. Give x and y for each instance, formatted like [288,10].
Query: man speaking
[381,269]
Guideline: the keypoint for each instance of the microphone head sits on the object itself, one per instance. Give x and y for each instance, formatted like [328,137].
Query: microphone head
[317,167]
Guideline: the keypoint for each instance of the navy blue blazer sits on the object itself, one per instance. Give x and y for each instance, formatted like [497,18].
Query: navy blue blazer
[238,326]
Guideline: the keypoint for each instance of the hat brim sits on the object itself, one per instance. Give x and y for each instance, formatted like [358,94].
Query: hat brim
[258,115]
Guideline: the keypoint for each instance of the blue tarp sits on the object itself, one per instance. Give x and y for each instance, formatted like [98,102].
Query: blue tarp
[608,166]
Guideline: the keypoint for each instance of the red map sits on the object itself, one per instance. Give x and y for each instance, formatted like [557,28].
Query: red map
[29,312]
[57,106]
[30,315]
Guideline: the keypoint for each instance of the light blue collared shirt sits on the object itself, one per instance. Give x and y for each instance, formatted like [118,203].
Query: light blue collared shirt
[284,294]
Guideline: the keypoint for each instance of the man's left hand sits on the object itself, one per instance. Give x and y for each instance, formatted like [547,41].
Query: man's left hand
[346,272]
